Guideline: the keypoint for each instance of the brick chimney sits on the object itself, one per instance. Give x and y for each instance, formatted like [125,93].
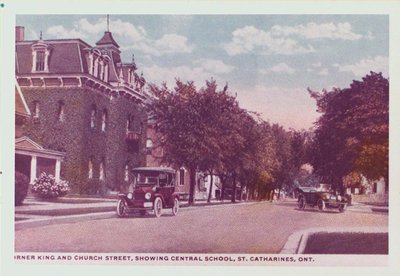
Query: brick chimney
[19,33]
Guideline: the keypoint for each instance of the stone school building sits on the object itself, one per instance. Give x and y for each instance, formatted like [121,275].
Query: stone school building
[84,119]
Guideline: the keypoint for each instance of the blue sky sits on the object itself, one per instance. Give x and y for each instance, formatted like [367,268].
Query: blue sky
[267,60]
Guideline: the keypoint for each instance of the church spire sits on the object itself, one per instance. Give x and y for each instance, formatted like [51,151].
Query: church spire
[108,22]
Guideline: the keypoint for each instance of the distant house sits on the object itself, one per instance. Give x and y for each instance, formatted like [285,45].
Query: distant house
[86,110]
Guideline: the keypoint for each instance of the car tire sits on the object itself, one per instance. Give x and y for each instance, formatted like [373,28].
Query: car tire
[157,207]
[121,208]
[302,203]
[321,205]
[342,208]
[175,207]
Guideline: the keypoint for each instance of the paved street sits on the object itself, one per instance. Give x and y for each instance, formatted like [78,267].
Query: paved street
[252,228]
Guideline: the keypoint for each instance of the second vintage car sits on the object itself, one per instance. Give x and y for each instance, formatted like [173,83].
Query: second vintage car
[322,199]
[153,189]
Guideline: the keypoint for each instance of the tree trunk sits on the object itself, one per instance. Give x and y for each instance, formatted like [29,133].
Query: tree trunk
[211,186]
[279,194]
[234,188]
[192,186]
[271,195]
[223,188]
[241,190]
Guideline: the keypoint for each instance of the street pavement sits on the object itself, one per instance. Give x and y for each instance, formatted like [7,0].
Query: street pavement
[258,227]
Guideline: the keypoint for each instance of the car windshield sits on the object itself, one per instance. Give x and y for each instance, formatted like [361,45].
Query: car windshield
[147,178]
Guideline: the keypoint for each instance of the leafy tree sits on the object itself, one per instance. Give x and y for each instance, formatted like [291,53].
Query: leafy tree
[200,129]
[352,132]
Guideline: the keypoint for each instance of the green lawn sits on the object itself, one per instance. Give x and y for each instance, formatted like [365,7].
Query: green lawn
[347,243]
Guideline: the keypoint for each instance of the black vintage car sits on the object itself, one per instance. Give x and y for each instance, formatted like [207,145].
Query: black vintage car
[322,199]
[153,189]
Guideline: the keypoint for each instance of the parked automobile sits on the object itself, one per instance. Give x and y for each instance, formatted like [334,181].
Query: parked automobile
[152,189]
[322,199]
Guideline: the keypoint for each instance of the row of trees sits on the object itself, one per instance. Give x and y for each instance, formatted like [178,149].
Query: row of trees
[351,138]
[206,130]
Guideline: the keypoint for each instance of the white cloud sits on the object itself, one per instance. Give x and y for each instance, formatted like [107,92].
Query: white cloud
[369,36]
[290,107]
[313,30]
[316,65]
[323,72]
[214,66]
[59,31]
[282,40]
[130,36]
[249,39]
[200,71]
[377,64]
[280,68]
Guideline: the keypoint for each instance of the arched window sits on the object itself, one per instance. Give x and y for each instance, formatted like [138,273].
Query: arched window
[129,122]
[149,143]
[126,173]
[40,56]
[36,109]
[104,120]
[102,173]
[40,60]
[61,111]
[91,63]
[93,117]
[90,168]
[96,67]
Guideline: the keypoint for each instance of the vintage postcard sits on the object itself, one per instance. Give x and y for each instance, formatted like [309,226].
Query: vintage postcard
[191,138]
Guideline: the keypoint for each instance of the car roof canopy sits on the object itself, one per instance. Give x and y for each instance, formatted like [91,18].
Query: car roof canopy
[153,169]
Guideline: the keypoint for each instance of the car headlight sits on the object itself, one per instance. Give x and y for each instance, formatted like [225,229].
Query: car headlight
[130,196]
[147,196]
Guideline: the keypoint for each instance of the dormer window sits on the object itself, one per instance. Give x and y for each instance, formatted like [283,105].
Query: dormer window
[40,57]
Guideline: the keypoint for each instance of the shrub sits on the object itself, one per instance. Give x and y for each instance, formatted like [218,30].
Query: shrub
[46,186]
[21,187]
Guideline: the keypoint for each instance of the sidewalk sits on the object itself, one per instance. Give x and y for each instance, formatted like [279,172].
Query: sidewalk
[361,207]
[34,213]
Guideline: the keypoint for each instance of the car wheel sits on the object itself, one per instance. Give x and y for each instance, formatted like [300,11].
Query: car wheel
[321,204]
[157,207]
[121,208]
[342,207]
[175,208]
[302,203]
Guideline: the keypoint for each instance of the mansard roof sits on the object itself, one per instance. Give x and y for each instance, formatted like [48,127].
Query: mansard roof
[71,56]
[67,56]
[107,39]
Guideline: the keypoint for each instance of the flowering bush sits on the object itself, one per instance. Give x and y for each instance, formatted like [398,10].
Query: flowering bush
[46,186]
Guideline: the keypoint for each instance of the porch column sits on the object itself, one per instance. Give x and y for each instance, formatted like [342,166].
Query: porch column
[33,168]
[58,169]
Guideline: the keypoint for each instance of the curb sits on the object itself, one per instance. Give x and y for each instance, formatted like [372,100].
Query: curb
[62,219]
[296,243]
